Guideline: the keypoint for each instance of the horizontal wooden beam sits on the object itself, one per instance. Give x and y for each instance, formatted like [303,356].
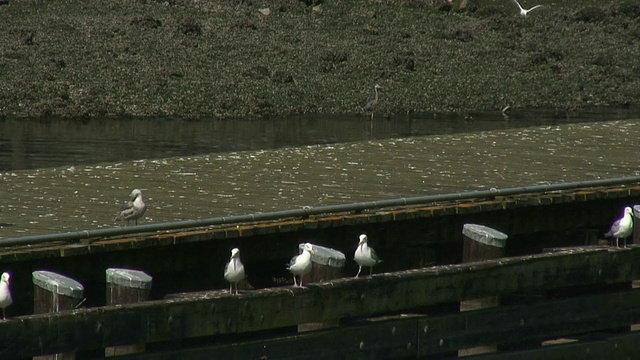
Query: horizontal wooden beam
[386,339]
[531,322]
[623,346]
[220,313]
[410,335]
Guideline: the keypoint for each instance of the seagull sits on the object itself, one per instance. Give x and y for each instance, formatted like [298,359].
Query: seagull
[622,227]
[524,12]
[301,264]
[5,293]
[134,209]
[365,256]
[234,270]
[372,103]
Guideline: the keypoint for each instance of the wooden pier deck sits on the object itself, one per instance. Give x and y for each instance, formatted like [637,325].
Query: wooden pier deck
[408,308]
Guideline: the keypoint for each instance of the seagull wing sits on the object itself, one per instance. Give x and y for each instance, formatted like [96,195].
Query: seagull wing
[614,228]
[517,3]
[374,255]
[292,262]
[535,7]
[126,211]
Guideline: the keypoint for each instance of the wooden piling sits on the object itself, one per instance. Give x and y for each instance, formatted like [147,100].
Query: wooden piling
[53,292]
[481,243]
[327,265]
[125,286]
[635,237]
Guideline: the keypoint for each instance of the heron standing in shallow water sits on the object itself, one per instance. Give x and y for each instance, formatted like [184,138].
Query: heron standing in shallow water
[372,103]
[134,209]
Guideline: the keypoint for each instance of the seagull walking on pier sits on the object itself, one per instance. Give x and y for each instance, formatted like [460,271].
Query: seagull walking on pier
[301,265]
[523,11]
[623,227]
[134,209]
[234,270]
[5,293]
[365,255]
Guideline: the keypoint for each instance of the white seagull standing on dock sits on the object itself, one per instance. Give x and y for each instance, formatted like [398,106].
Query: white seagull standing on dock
[365,256]
[5,293]
[234,270]
[622,227]
[523,11]
[134,209]
[301,264]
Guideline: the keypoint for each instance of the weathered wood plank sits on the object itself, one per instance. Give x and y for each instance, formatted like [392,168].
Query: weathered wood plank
[614,347]
[221,313]
[419,335]
[532,322]
[386,339]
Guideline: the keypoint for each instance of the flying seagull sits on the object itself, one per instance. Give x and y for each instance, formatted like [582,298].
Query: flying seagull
[623,227]
[523,11]
[134,209]
[365,256]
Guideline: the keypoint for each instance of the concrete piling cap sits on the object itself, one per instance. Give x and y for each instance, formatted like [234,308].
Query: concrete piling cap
[129,278]
[58,284]
[484,235]
[326,256]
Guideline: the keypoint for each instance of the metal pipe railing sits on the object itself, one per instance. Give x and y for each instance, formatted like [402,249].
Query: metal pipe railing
[327,209]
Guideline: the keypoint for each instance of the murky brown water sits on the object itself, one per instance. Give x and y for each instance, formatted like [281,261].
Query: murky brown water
[32,144]
[83,197]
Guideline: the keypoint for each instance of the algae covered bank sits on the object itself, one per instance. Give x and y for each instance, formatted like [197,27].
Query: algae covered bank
[244,59]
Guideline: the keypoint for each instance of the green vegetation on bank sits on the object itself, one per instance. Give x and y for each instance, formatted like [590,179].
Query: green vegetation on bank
[235,58]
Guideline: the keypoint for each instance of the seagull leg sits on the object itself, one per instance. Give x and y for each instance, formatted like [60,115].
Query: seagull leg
[295,283]
[301,276]
[359,269]
[617,245]
[3,315]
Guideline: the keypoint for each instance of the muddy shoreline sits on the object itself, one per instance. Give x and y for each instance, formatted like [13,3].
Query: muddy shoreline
[251,58]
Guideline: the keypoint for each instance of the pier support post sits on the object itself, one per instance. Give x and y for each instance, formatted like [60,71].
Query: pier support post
[53,293]
[481,243]
[327,265]
[635,237]
[126,286]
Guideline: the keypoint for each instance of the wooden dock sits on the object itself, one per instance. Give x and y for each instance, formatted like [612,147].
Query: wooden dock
[583,294]
[559,292]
